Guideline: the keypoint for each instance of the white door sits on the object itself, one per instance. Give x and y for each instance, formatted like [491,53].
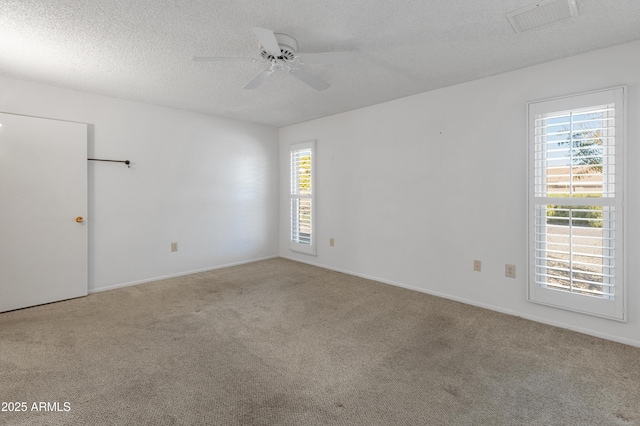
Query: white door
[43,208]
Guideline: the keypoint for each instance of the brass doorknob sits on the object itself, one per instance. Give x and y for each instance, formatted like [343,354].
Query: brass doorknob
[79,219]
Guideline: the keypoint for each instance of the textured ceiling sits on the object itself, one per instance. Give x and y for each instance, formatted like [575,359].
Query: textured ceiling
[142,49]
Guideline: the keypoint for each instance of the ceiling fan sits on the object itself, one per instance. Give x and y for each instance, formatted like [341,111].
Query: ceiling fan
[281,52]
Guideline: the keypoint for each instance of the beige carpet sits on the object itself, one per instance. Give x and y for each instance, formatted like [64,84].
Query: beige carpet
[282,343]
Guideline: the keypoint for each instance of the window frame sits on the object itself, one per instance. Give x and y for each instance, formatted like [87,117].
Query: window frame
[607,307]
[294,196]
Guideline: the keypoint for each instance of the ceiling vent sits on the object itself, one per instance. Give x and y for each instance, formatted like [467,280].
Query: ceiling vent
[542,13]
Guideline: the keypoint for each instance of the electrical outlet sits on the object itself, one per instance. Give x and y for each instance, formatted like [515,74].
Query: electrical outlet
[331,242]
[174,247]
[477,265]
[510,270]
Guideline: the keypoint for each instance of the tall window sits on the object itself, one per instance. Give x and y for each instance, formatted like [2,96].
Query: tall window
[576,180]
[302,199]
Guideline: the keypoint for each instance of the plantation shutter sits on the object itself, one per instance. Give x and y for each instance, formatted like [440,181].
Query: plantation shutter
[576,203]
[302,238]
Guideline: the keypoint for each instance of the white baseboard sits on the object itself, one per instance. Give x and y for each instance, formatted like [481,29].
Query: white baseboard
[542,320]
[179,274]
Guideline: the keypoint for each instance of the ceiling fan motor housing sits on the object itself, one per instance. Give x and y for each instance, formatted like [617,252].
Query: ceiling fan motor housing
[288,47]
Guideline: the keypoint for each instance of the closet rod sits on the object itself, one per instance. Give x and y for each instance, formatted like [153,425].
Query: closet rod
[127,162]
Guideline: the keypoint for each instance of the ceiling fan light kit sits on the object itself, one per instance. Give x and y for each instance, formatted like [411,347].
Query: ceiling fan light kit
[281,52]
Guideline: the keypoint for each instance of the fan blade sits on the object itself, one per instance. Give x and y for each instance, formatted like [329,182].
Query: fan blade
[309,79]
[327,57]
[268,40]
[214,59]
[259,78]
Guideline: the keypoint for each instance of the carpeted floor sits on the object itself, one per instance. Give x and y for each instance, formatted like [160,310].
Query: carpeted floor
[282,343]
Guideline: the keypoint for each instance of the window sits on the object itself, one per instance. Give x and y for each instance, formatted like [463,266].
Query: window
[302,200]
[576,183]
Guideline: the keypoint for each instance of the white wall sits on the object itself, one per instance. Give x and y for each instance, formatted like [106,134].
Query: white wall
[208,183]
[413,190]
